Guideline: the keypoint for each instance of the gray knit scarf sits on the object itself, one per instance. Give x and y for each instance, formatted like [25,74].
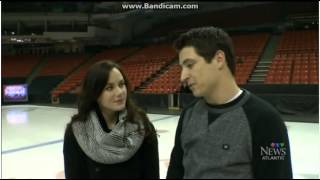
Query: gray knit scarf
[117,146]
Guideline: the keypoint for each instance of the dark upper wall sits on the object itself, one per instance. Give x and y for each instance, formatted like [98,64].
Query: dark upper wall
[233,17]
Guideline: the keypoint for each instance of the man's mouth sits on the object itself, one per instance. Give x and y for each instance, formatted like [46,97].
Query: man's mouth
[190,85]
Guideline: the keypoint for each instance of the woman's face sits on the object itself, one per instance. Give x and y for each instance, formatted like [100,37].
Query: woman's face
[114,94]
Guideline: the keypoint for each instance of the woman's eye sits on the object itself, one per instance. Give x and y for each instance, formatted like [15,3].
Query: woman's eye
[108,88]
[121,85]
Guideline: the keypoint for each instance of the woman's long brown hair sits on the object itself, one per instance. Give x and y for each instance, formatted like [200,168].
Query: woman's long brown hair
[92,87]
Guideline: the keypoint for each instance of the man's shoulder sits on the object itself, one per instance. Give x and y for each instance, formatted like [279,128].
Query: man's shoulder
[261,113]
[191,105]
[259,105]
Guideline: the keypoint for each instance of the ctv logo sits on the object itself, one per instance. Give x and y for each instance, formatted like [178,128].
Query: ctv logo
[276,151]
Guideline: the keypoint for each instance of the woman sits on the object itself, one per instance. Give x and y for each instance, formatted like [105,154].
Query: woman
[109,137]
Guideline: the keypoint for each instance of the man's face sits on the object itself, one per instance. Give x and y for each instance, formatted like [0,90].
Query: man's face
[196,73]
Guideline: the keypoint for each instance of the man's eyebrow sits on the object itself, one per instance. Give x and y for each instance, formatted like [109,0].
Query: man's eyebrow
[186,61]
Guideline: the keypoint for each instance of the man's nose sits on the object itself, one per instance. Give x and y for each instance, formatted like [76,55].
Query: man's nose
[184,77]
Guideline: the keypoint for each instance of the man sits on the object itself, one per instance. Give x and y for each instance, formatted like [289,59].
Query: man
[228,132]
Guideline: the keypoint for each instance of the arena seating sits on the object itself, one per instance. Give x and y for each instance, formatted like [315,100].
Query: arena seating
[248,50]
[72,83]
[19,66]
[296,60]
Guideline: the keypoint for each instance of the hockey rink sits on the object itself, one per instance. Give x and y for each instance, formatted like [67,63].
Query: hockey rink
[32,141]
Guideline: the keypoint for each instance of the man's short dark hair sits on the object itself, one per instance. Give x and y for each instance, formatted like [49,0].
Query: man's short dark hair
[207,41]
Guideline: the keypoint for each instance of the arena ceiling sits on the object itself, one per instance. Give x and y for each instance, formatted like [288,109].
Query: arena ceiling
[111,15]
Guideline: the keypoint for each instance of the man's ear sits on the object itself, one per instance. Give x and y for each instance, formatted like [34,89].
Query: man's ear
[220,58]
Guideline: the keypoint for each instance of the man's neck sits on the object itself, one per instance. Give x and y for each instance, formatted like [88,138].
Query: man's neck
[223,92]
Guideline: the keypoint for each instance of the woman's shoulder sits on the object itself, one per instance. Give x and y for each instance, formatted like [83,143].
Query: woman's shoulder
[68,131]
[152,136]
[140,115]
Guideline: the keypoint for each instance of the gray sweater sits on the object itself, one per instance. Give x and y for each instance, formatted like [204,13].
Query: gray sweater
[225,141]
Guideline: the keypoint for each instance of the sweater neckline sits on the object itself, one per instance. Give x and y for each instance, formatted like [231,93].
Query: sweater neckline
[221,108]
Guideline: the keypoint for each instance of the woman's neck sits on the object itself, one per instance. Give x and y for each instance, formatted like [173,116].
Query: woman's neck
[110,117]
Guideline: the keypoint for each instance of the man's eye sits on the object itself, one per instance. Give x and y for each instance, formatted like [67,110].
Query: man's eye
[189,66]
